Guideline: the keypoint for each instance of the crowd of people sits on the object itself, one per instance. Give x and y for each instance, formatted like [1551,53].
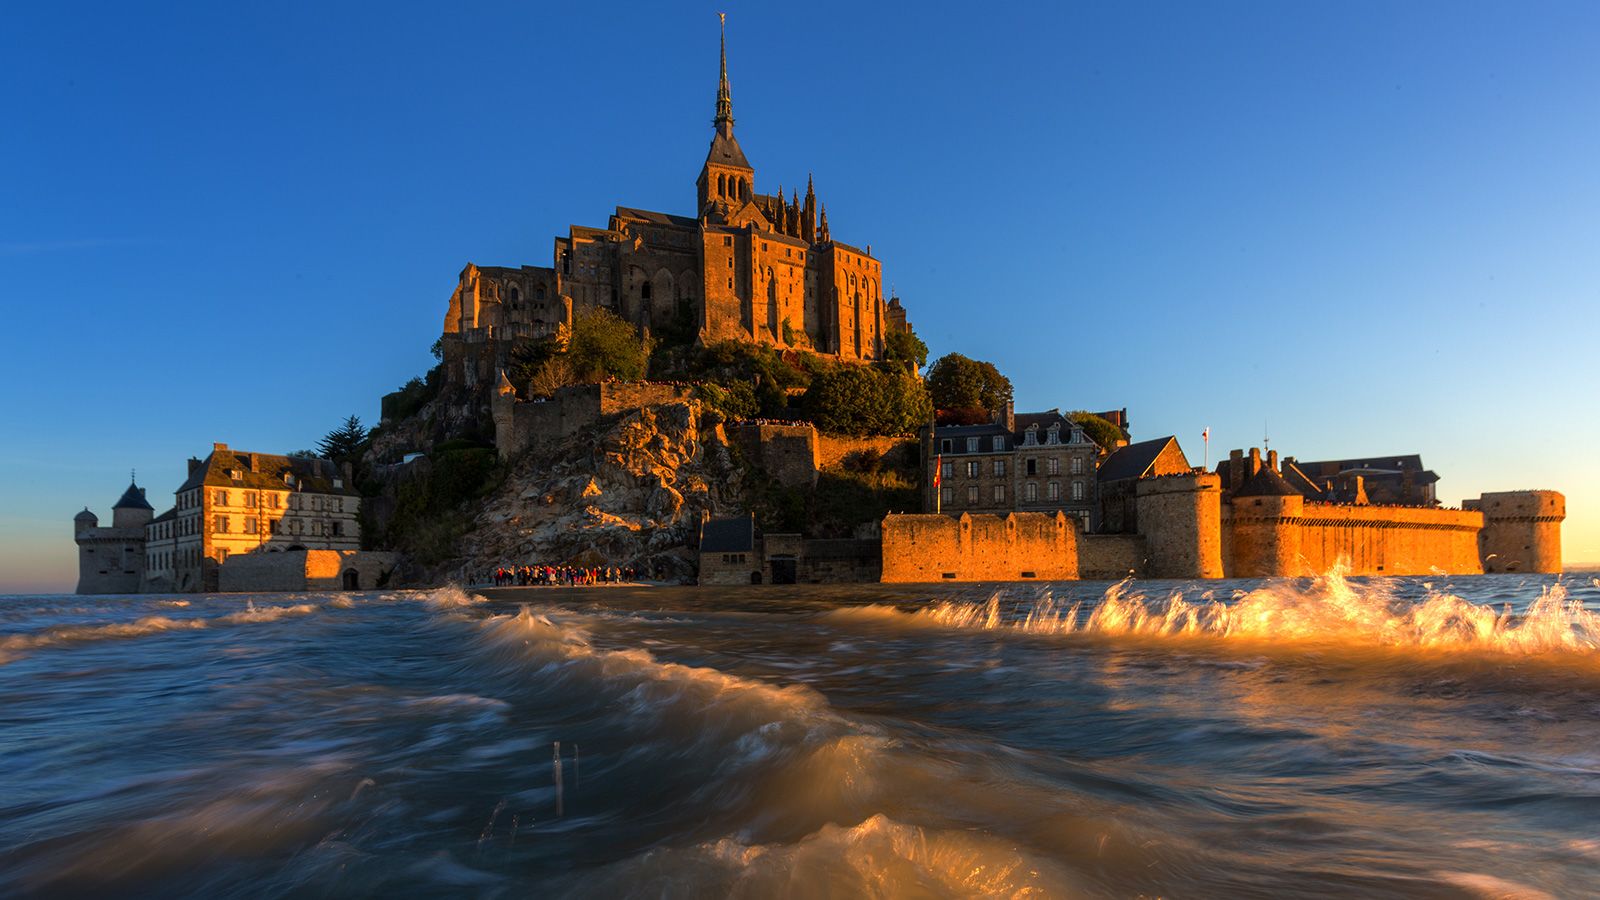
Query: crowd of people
[568,576]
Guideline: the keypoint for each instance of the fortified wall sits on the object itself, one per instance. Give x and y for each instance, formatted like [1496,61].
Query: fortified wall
[1014,547]
[786,452]
[1289,535]
[1187,530]
[1521,530]
[523,424]
[306,570]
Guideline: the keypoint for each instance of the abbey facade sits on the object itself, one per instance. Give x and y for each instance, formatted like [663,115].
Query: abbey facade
[747,266]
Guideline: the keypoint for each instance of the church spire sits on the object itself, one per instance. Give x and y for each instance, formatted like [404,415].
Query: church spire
[724,119]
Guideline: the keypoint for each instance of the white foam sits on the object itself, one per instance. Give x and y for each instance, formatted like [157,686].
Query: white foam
[1327,610]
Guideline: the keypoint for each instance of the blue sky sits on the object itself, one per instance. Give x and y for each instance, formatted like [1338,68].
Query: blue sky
[1365,228]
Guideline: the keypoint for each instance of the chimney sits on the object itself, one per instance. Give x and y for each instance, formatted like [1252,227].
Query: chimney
[1008,416]
[255,462]
[349,473]
[1255,462]
[217,447]
[193,464]
[1235,469]
[1272,460]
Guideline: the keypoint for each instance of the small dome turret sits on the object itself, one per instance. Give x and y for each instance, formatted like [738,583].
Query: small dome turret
[86,518]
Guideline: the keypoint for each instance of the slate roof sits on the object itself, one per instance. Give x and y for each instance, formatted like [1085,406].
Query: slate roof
[312,475]
[133,498]
[169,514]
[1301,482]
[982,429]
[655,218]
[1371,465]
[1266,483]
[728,535]
[1134,460]
[725,151]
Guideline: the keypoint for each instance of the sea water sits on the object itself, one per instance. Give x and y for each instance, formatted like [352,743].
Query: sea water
[1362,737]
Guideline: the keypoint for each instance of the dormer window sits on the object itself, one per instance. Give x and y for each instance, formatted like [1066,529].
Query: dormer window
[1054,437]
[234,474]
[999,443]
[338,482]
[972,445]
[1077,434]
[1030,438]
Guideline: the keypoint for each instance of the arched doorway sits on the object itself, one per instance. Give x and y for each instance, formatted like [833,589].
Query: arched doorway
[352,580]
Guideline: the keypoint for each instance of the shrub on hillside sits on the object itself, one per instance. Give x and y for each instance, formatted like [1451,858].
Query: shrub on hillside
[860,400]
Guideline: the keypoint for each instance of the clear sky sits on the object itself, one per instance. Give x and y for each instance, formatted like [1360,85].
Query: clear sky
[1365,228]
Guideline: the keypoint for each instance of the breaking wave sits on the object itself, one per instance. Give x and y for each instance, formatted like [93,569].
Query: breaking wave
[879,857]
[59,635]
[1327,609]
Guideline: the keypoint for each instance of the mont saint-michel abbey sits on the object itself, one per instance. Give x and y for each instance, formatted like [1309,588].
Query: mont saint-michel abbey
[747,266]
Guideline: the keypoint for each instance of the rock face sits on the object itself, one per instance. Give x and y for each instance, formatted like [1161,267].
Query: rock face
[627,492]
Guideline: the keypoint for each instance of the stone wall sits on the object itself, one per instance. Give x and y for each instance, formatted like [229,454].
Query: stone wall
[1015,547]
[1271,536]
[1180,519]
[1112,557]
[788,453]
[833,448]
[304,570]
[520,425]
[110,560]
[841,561]
[1521,530]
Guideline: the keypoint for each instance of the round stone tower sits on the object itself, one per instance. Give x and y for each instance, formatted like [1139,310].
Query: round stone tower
[1266,527]
[84,521]
[1521,530]
[1180,517]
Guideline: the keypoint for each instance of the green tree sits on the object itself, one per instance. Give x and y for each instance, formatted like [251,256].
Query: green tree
[848,399]
[1102,431]
[603,345]
[345,443]
[906,347]
[958,382]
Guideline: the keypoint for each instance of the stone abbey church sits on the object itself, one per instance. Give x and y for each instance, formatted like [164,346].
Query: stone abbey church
[747,266]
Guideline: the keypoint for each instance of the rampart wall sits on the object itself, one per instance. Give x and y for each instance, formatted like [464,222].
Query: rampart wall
[1270,536]
[832,448]
[1111,557]
[1015,547]
[1179,517]
[1521,530]
[788,453]
[303,570]
[521,425]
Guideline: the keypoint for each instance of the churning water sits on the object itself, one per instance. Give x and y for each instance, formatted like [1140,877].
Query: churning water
[1405,737]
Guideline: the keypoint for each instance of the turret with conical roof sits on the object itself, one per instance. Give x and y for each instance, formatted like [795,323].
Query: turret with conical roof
[132,510]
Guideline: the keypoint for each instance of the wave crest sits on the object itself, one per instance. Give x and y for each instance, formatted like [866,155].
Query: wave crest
[1328,609]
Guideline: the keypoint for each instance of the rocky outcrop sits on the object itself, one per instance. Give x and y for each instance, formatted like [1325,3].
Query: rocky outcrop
[629,491]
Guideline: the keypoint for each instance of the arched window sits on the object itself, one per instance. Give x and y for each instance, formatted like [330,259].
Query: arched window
[644,291]
[538,292]
[722,185]
[514,296]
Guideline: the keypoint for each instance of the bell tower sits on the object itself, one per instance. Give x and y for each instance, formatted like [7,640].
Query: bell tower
[726,180]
